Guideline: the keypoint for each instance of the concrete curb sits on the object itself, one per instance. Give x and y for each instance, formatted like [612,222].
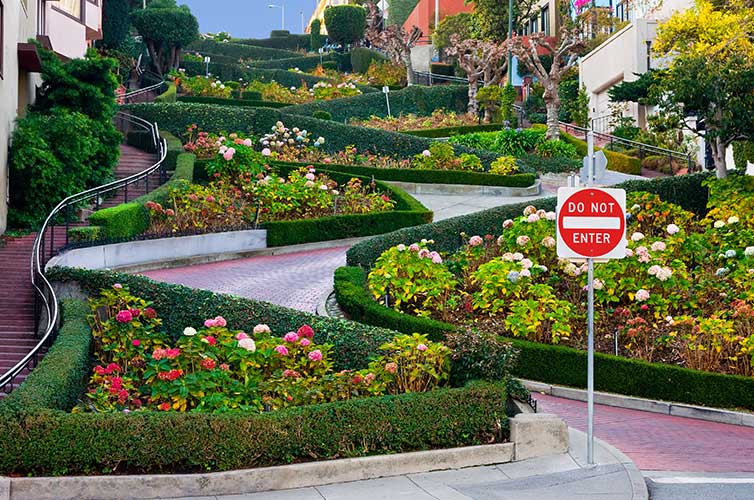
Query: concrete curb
[468,189]
[638,485]
[256,480]
[642,404]
[220,257]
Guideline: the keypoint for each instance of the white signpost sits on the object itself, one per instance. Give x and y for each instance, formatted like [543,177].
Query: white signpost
[591,224]
[386,91]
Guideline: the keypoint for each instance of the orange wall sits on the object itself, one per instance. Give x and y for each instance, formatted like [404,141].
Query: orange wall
[424,13]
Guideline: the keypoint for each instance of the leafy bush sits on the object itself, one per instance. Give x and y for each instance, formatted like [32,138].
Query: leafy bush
[170,95]
[743,152]
[505,165]
[322,115]
[251,95]
[509,142]
[441,156]
[556,148]
[239,50]
[303,63]
[243,103]
[381,73]
[362,58]
[536,163]
[292,42]
[345,23]
[315,35]
[441,69]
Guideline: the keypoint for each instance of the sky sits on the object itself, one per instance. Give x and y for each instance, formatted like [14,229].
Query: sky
[249,18]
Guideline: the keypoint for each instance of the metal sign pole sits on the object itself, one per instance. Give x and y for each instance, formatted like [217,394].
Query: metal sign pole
[386,91]
[590,325]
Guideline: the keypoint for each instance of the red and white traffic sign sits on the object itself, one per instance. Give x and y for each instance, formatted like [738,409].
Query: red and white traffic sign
[591,223]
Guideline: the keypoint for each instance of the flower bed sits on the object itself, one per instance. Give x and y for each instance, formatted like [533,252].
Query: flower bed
[40,436]
[439,118]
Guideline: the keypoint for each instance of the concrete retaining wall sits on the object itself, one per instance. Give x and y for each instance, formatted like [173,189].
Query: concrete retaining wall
[134,253]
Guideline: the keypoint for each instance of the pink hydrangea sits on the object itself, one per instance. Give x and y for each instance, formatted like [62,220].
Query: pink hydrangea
[641,295]
[548,242]
[118,286]
[282,350]
[530,209]
[672,229]
[247,142]
[435,257]
[507,224]
[315,355]
[306,331]
[241,336]
[414,247]
[290,337]
[533,218]
[522,240]
[261,328]
[391,367]
[266,152]
[525,273]
[475,241]
[423,253]
[305,342]
[658,246]
[136,343]
[526,263]
[247,344]
[422,347]
[124,316]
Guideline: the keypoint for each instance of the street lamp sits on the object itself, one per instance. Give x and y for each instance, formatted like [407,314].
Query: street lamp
[206,63]
[301,12]
[282,17]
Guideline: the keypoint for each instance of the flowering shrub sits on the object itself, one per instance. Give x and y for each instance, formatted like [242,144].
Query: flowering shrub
[684,294]
[440,156]
[204,86]
[214,368]
[281,137]
[275,92]
[509,142]
[389,73]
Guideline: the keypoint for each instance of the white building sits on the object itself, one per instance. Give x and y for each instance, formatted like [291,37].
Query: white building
[624,55]
[65,26]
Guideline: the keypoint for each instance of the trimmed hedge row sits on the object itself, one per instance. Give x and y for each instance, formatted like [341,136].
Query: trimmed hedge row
[415,99]
[175,148]
[617,162]
[564,365]
[239,50]
[169,95]
[60,378]
[304,63]
[287,42]
[459,130]
[427,176]
[235,71]
[686,191]
[232,102]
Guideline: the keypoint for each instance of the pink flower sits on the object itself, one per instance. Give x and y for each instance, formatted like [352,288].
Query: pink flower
[134,312]
[172,353]
[315,355]
[306,331]
[507,224]
[522,240]
[422,347]
[369,378]
[209,323]
[241,336]
[282,350]
[291,374]
[209,339]
[658,246]
[305,342]
[220,321]
[136,343]
[391,367]
[208,364]
[170,212]
[247,142]
[290,337]
[247,344]
[644,307]
[475,241]
[158,354]
[164,406]
[266,152]
[118,286]
[124,316]
[261,329]
[423,253]
[414,247]
[533,218]
[224,367]
[641,295]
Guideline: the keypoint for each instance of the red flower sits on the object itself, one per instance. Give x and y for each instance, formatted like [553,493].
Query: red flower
[224,367]
[149,313]
[357,379]
[210,340]
[134,312]
[136,343]
[164,406]
[112,367]
[123,395]
[208,364]
[172,353]
[117,382]
[306,331]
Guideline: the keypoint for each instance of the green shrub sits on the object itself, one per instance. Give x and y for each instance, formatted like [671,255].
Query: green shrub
[342,60]
[279,33]
[235,71]
[290,42]
[459,130]
[175,148]
[251,95]
[743,152]
[539,164]
[564,365]
[169,95]
[304,63]
[84,234]
[556,148]
[239,50]
[362,57]
[322,115]
[315,35]
[415,99]
[243,103]
[345,23]
[60,378]
[330,65]
[441,69]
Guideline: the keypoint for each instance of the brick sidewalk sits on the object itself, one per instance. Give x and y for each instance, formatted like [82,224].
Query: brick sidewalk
[297,280]
[662,442]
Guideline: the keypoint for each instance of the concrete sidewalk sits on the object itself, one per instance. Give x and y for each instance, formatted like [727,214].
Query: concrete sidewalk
[561,477]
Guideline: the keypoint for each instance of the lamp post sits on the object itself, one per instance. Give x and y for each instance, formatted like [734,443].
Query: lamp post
[437,14]
[206,65]
[301,12]
[282,16]
[510,35]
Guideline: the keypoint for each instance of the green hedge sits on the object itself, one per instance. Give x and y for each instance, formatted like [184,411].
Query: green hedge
[235,71]
[60,377]
[686,191]
[232,102]
[175,148]
[414,99]
[361,58]
[304,63]
[616,162]
[427,176]
[288,42]
[459,130]
[131,219]
[564,365]
[169,95]
[251,95]
[239,50]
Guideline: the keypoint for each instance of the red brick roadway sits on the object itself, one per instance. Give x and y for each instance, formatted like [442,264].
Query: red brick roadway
[653,441]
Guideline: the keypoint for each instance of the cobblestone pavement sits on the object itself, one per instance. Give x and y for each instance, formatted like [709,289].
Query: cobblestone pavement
[662,442]
[299,280]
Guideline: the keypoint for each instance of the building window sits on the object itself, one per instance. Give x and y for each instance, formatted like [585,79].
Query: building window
[545,20]
[71,7]
[533,25]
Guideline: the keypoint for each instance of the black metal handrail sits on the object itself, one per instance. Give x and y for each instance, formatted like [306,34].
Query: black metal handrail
[132,96]
[46,307]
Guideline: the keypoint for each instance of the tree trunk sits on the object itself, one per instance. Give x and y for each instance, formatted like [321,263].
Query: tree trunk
[552,104]
[473,103]
[153,55]
[410,75]
[718,147]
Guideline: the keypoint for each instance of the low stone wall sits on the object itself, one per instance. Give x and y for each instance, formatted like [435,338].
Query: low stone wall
[468,190]
[134,253]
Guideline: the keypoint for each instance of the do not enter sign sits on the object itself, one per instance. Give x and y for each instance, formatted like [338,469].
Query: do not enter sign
[591,223]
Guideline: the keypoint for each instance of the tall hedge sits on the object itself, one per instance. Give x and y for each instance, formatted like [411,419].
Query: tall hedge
[304,63]
[362,57]
[235,71]
[290,42]
[315,35]
[115,23]
[239,50]
[345,23]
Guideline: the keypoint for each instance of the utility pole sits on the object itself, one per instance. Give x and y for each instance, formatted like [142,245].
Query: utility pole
[510,36]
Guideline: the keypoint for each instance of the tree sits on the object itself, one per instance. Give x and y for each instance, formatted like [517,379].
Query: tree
[710,74]
[165,30]
[464,24]
[315,35]
[345,23]
[530,52]
[492,16]
[115,23]
[399,11]
[479,59]
[393,41]
[638,90]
